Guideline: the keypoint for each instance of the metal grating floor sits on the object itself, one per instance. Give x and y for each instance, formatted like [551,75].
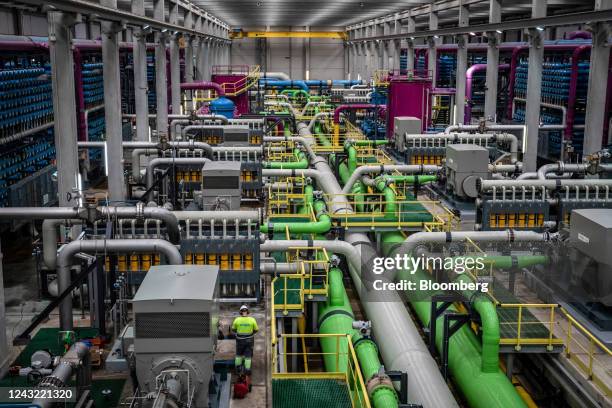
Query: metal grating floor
[313,393]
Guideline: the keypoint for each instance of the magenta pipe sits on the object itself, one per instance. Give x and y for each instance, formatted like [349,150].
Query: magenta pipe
[469,77]
[22,43]
[342,108]
[203,86]
[573,90]
[608,104]
[578,35]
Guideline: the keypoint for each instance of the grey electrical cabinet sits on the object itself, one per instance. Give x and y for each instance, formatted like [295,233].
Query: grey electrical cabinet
[591,233]
[403,125]
[236,136]
[465,163]
[175,314]
[221,186]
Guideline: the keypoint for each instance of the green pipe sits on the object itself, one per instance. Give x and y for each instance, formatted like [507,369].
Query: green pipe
[308,200]
[390,198]
[474,366]
[370,142]
[321,226]
[411,179]
[293,93]
[507,262]
[336,317]
[300,163]
[352,157]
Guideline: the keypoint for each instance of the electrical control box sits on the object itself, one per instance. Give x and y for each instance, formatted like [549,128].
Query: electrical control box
[403,125]
[591,233]
[236,136]
[465,164]
[175,314]
[221,186]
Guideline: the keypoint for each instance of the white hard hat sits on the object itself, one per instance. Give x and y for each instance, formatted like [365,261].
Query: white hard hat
[244,307]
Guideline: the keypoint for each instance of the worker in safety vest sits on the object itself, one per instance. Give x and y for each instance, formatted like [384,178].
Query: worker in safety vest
[244,327]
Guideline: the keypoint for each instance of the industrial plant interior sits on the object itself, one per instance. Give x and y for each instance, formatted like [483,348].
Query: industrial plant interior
[306,204]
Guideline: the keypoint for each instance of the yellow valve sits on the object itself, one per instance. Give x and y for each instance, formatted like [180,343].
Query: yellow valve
[540,220]
[511,220]
[521,220]
[146,262]
[531,220]
[200,259]
[134,263]
[156,260]
[225,264]
[502,220]
[248,262]
[212,259]
[107,263]
[122,263]
[236,262]
[189,258]
[194,176]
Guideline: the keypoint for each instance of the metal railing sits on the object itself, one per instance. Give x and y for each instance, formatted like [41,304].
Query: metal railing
[311,367]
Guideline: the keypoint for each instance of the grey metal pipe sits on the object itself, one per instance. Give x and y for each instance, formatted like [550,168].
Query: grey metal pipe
[272,268]
[170,160]
[283,104]
[402,168]
[486,185]
[306,142]
[460,127]
[61,375]
[502,137]
[142,212]
[192,127]
[219,118]
[561,167]
[40,213]
[276,75]
[316,118]
[506,168]
[187,144]
[248,215]
[49,238]
[103,246]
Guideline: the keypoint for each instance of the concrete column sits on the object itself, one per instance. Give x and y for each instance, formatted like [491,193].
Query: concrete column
[141,86]
[64,105]
[534,89]
[4,348]
[461,66]
[175,63]
[597,90]
[189,58]
[432,60]
[490,108]
[112,106]
[161,77]
[410,44]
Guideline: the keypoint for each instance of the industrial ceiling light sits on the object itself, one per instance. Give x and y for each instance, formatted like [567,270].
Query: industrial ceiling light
[499,31]
[472,33]
[540,28]
[436,36]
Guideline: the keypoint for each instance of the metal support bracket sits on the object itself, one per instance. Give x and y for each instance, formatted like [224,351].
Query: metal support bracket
[437,311]
[452,323]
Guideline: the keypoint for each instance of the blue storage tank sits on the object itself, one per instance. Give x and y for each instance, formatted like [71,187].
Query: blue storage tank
[222,106]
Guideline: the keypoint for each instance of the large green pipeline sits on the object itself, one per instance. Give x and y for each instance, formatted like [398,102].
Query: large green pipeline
[293,93]
[390,199]
[336,317]
[308,200]
[411,179]
[474,365]
[370,142]
[301,162]
[321,226]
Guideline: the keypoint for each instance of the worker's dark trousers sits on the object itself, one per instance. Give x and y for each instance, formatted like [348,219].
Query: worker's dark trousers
[244,349]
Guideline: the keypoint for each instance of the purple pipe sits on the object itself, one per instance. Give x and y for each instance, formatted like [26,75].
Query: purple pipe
[202,86]
[469,76]
[573,90]
[582,35]
[342,108]
[606,128]
[514,64]
[80,97]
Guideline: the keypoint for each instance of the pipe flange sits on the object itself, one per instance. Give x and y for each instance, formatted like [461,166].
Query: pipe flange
[377,381]
[334,261]
[318,195]
[140,211]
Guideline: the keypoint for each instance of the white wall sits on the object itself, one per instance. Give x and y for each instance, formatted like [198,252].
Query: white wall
[291,55]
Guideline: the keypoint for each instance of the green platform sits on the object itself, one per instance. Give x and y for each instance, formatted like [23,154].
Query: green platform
[314,393]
